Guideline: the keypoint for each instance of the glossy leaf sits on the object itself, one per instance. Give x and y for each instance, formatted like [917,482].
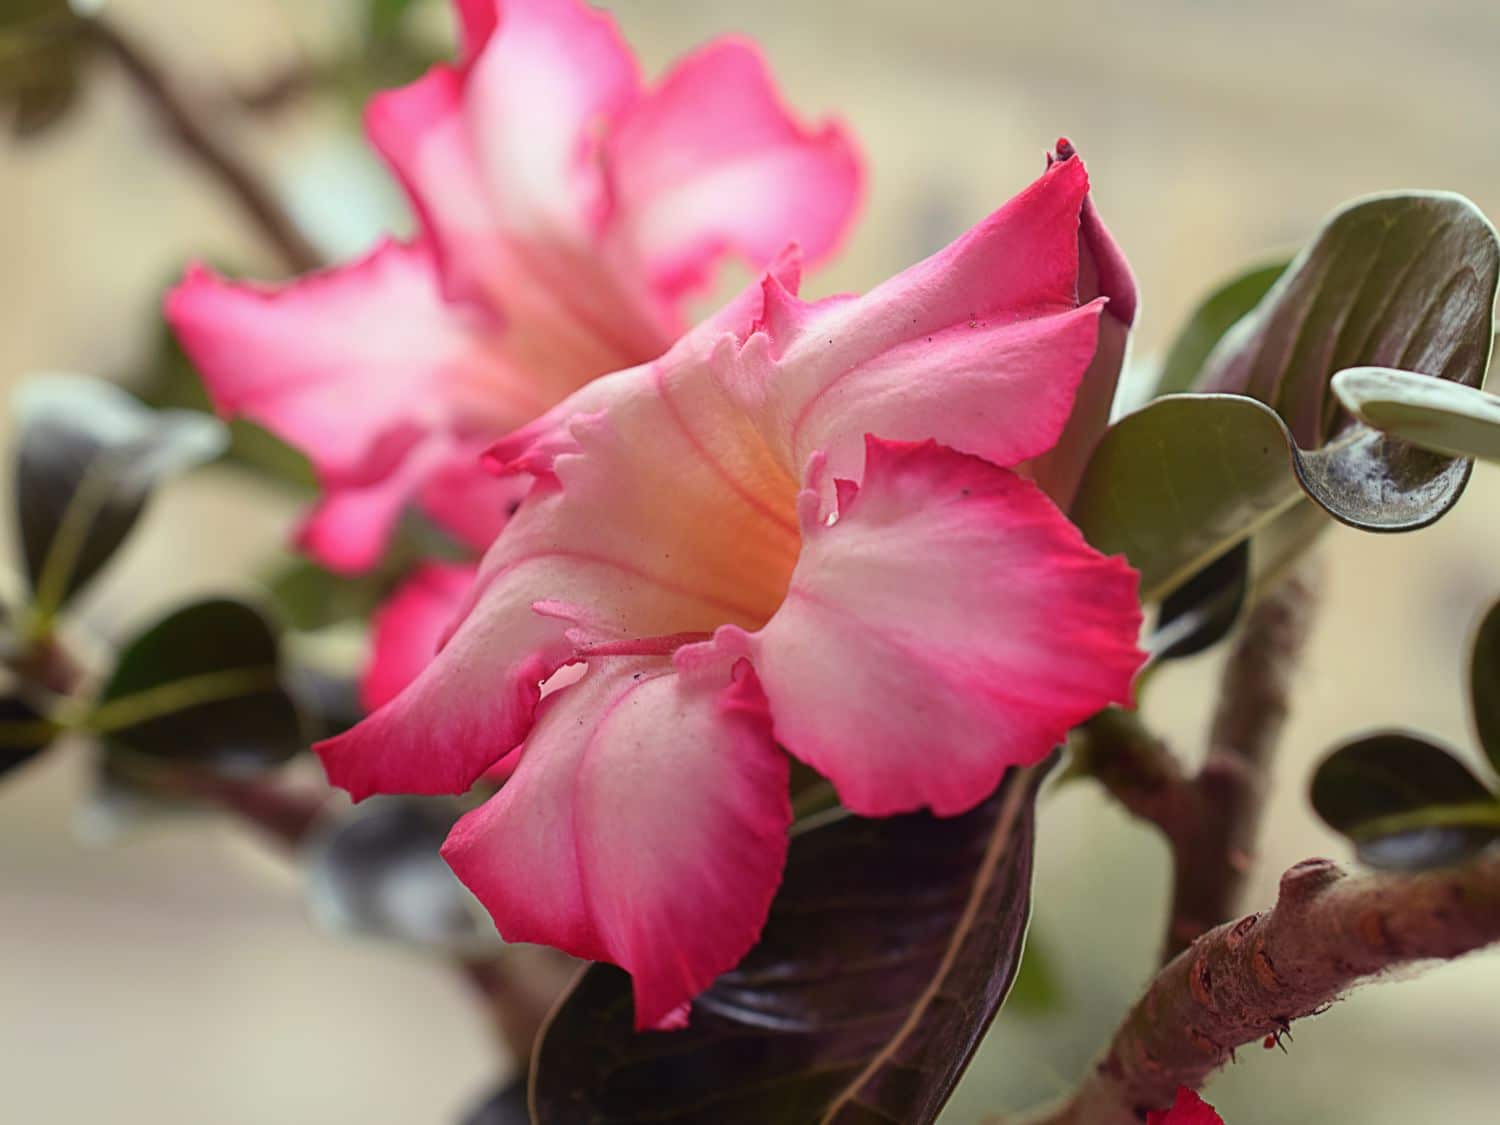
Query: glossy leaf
[1395,281]
[889,948]
[24,733]
[1404,802]
[1202,611]
[90,455]
[377,873]
[1405,280]
[1435,414]
[1218,313]
[203,685]
[1484,684]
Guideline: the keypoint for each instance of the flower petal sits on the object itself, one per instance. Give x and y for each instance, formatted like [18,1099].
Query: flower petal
[592,556]
[646,825]
[464,499]
[981,347]
[1102,272]
[328,363]
[948,625]
[409,627]
[711,159]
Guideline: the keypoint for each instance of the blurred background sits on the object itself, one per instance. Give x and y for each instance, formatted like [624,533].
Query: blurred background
[173,978]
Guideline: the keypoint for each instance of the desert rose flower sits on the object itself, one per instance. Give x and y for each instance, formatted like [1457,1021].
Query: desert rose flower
[566,212]
[793,533]
[1188,1109]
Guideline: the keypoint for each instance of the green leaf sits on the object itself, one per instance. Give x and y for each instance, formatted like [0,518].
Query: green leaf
[24,732]
[384,18]
[1484,684]
[1219,312]
[203,685]
[377,872]
[1405,280]
[889,948]
[1178,483]
[1404,802]
[1395,281]
[309,597]
[1437,415]
[41,55]
[1202,611]
[90,456]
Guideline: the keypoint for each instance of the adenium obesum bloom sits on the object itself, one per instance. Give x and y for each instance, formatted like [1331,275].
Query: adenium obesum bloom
[794,533]
[1188,1109]
[566,212]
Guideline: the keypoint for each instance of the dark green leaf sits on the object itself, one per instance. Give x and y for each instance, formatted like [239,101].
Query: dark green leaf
[1219,311]
[889,948]
[41,53]
[507,1106]
[1404,802]
[24,732]
[377,873]
[1202,611]
[203,685]
[1405,281]
[383,18]
[1484,684]
[89,458]
[309,597]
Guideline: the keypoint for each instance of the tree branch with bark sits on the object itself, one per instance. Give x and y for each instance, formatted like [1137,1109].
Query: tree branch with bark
[1245,980]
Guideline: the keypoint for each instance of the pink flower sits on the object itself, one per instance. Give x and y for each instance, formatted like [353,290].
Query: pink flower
[744,572]
[1188,1109]
[566,213]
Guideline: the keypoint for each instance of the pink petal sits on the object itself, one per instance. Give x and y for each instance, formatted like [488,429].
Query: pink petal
[949,625]
[356,367]
[712,160]
[1187,1109]
[465,500]
[646,825]
[1103,272]
[593,555]
[980,347]
[409,627]
[332,361]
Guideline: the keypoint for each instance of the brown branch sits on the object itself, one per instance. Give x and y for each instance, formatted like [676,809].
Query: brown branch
[1247,980]
[1213,856]
[204,144]
[1211,818]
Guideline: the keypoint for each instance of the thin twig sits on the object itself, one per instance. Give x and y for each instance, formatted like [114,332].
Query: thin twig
[1247,980]
[205,145]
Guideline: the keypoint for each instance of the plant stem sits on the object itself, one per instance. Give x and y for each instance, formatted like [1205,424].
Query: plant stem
[1213,856]
[1211,818]
[204,144]
[1250,979]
